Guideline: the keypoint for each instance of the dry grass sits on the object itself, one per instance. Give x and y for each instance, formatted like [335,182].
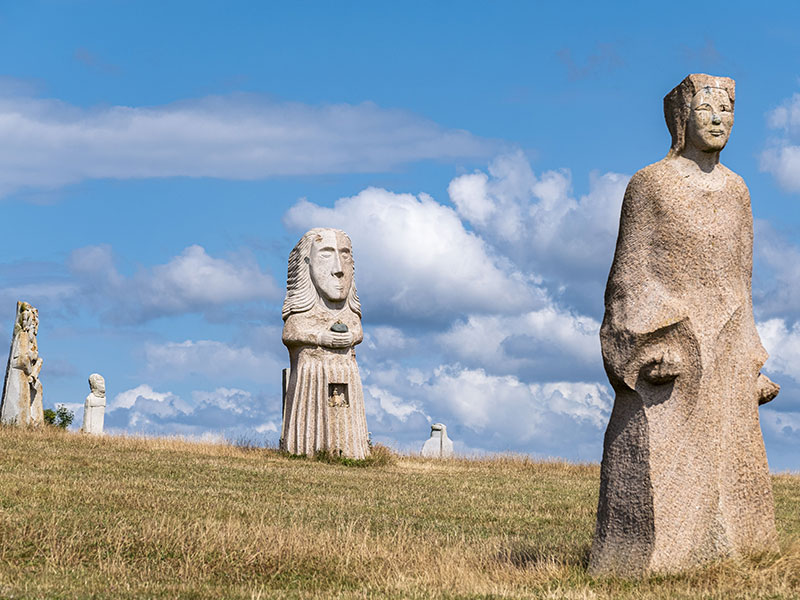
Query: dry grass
[162,518]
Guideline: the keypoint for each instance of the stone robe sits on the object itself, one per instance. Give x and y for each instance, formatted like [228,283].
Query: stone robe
[94,414]
[22,390]
[324,407]
[684,474]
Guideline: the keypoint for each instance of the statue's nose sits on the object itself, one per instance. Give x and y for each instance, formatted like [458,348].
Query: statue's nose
[716,119]
[336,268]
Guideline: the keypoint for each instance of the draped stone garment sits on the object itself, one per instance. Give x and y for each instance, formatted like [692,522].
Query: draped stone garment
[324,400]
[684,475]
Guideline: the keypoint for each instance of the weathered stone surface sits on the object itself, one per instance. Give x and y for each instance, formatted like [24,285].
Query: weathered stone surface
[684,475]
[22,392]
[438,445]
[324,407]
[95,406]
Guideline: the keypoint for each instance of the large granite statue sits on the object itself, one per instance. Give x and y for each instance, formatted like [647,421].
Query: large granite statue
[684,476]
[324,407]
[22,392]
[95,406]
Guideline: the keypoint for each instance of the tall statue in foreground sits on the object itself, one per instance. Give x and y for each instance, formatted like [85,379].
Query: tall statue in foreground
[684,476]
[22,391]
[324,408]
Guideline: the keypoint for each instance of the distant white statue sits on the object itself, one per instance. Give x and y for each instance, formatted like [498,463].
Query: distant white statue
[95,406]
[439,445]
[22,393]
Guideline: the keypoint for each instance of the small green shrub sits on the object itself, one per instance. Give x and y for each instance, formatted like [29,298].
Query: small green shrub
[61,417]
[49,416]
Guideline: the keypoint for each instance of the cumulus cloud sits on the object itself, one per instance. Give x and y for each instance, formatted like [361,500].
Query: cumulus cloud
[782,341]
[211,359]
[490,413]
[415,259]
[193,281]
[537,223]
[776,273]
[47,143]
[226,413]
[781,157]
[547,344]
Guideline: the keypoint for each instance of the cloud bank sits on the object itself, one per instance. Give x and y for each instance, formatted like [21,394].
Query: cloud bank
[47,143]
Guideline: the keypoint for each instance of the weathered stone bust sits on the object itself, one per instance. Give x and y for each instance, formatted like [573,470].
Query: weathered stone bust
[22,392]
[324,408]
[684,476]
[95,406]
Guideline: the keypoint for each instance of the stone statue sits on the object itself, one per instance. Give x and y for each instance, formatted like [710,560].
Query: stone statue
[95,406]
[22,392]
[324,407]
[684,477]
[438,445]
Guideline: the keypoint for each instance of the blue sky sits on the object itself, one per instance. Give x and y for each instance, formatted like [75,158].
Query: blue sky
[158,161]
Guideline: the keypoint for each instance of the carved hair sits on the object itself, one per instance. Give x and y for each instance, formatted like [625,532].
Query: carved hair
[301,294]
[678,103]
[95,381]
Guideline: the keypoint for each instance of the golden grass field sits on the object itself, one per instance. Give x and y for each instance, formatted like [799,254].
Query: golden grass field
[113,517]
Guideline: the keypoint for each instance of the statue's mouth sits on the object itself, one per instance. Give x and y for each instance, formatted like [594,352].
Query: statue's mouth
[717,132]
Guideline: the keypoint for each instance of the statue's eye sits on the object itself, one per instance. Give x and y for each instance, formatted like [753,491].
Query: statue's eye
[703,107]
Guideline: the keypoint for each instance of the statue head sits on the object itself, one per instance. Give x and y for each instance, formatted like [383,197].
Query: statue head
[97,385]
[699,112]
[320,266]
[28,319]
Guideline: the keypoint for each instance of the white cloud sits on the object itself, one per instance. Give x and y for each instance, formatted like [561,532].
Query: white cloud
[782,341]
[223,413]
[776,275]
[211,359]
[193,281]
[47,143]
[552,341]
[415,259]
[781,157]
[537,223]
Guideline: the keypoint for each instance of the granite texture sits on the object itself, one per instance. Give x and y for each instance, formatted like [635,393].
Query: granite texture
[684,476]
[94,407]
[438,445]
[324,402]
[22,390]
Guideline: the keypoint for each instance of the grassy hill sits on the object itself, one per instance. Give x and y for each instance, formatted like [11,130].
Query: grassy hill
[84,517]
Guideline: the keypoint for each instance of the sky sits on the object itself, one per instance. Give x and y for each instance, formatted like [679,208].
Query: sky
[159,160]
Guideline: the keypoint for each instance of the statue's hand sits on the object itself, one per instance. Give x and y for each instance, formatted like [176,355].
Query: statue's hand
[333,339]
[767,389]
[662,369]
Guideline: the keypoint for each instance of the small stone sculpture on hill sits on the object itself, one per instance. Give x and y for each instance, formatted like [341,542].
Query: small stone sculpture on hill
[324,407]
[438,445]
[684,476]
[22,392]
[95,406]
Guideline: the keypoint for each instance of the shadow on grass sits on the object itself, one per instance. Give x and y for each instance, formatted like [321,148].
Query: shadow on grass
[524,555]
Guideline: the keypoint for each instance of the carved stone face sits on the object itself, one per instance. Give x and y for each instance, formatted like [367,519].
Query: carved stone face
[710,120]
[331,266]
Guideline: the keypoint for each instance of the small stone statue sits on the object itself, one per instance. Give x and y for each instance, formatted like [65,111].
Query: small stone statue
[95,406]
[684,477]
[438,445]
[22,393]
[324,406]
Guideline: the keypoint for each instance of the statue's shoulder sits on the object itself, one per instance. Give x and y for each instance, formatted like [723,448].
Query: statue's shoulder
[652,175]
[734,179]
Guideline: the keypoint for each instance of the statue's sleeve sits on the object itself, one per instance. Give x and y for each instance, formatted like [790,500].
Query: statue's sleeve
[643,319]
[300,331]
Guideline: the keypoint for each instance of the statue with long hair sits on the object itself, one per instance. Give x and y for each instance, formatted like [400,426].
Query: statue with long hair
[324,407]
[684,477]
